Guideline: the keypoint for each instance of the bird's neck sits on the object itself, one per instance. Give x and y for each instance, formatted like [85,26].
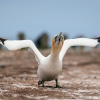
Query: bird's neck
[55,53]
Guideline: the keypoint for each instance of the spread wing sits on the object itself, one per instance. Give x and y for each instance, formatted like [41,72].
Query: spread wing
[78,42]
[18,44]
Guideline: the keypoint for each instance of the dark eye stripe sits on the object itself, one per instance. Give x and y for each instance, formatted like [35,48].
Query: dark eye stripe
[55,38]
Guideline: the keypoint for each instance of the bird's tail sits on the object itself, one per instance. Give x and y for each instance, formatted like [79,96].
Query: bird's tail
[2,40]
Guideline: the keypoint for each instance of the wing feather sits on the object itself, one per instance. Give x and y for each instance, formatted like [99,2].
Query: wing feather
[18,44]
[77,42]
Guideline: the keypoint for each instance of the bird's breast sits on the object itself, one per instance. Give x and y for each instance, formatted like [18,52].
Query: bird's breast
[49,70]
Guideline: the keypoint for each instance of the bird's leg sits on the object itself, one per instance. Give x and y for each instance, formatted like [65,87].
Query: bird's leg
[57,85]
[41,82]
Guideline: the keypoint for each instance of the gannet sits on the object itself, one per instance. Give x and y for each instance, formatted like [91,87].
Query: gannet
[50,67]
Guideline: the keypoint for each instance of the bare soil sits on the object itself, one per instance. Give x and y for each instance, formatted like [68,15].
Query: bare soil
[79,80]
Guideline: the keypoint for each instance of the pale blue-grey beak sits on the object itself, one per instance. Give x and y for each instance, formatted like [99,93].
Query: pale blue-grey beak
[59,37]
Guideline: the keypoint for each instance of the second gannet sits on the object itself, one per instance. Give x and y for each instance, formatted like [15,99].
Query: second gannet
[50,67]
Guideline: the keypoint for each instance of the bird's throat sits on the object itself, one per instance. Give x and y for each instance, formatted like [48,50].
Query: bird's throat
[55,52]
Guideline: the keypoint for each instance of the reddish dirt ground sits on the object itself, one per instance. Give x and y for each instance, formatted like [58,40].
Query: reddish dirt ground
[79,80]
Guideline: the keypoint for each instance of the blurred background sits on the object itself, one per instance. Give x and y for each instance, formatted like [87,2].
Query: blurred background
[40,20]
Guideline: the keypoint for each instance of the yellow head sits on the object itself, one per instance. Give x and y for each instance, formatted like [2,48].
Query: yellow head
[57,43]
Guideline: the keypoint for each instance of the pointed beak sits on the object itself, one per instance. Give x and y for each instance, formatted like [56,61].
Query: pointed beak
[59,37]
[60,34]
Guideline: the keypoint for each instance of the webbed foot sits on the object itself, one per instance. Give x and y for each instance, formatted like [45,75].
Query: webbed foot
[41,82]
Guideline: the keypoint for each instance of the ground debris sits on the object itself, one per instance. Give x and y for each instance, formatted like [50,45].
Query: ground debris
[79,80]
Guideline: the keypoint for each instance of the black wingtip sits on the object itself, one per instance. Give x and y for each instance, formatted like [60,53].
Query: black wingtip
[2,40]
[98,38]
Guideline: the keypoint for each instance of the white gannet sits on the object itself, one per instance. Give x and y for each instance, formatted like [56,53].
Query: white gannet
[50,67]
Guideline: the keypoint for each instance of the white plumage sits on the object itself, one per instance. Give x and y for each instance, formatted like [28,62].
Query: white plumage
[77,42]
[51,66]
